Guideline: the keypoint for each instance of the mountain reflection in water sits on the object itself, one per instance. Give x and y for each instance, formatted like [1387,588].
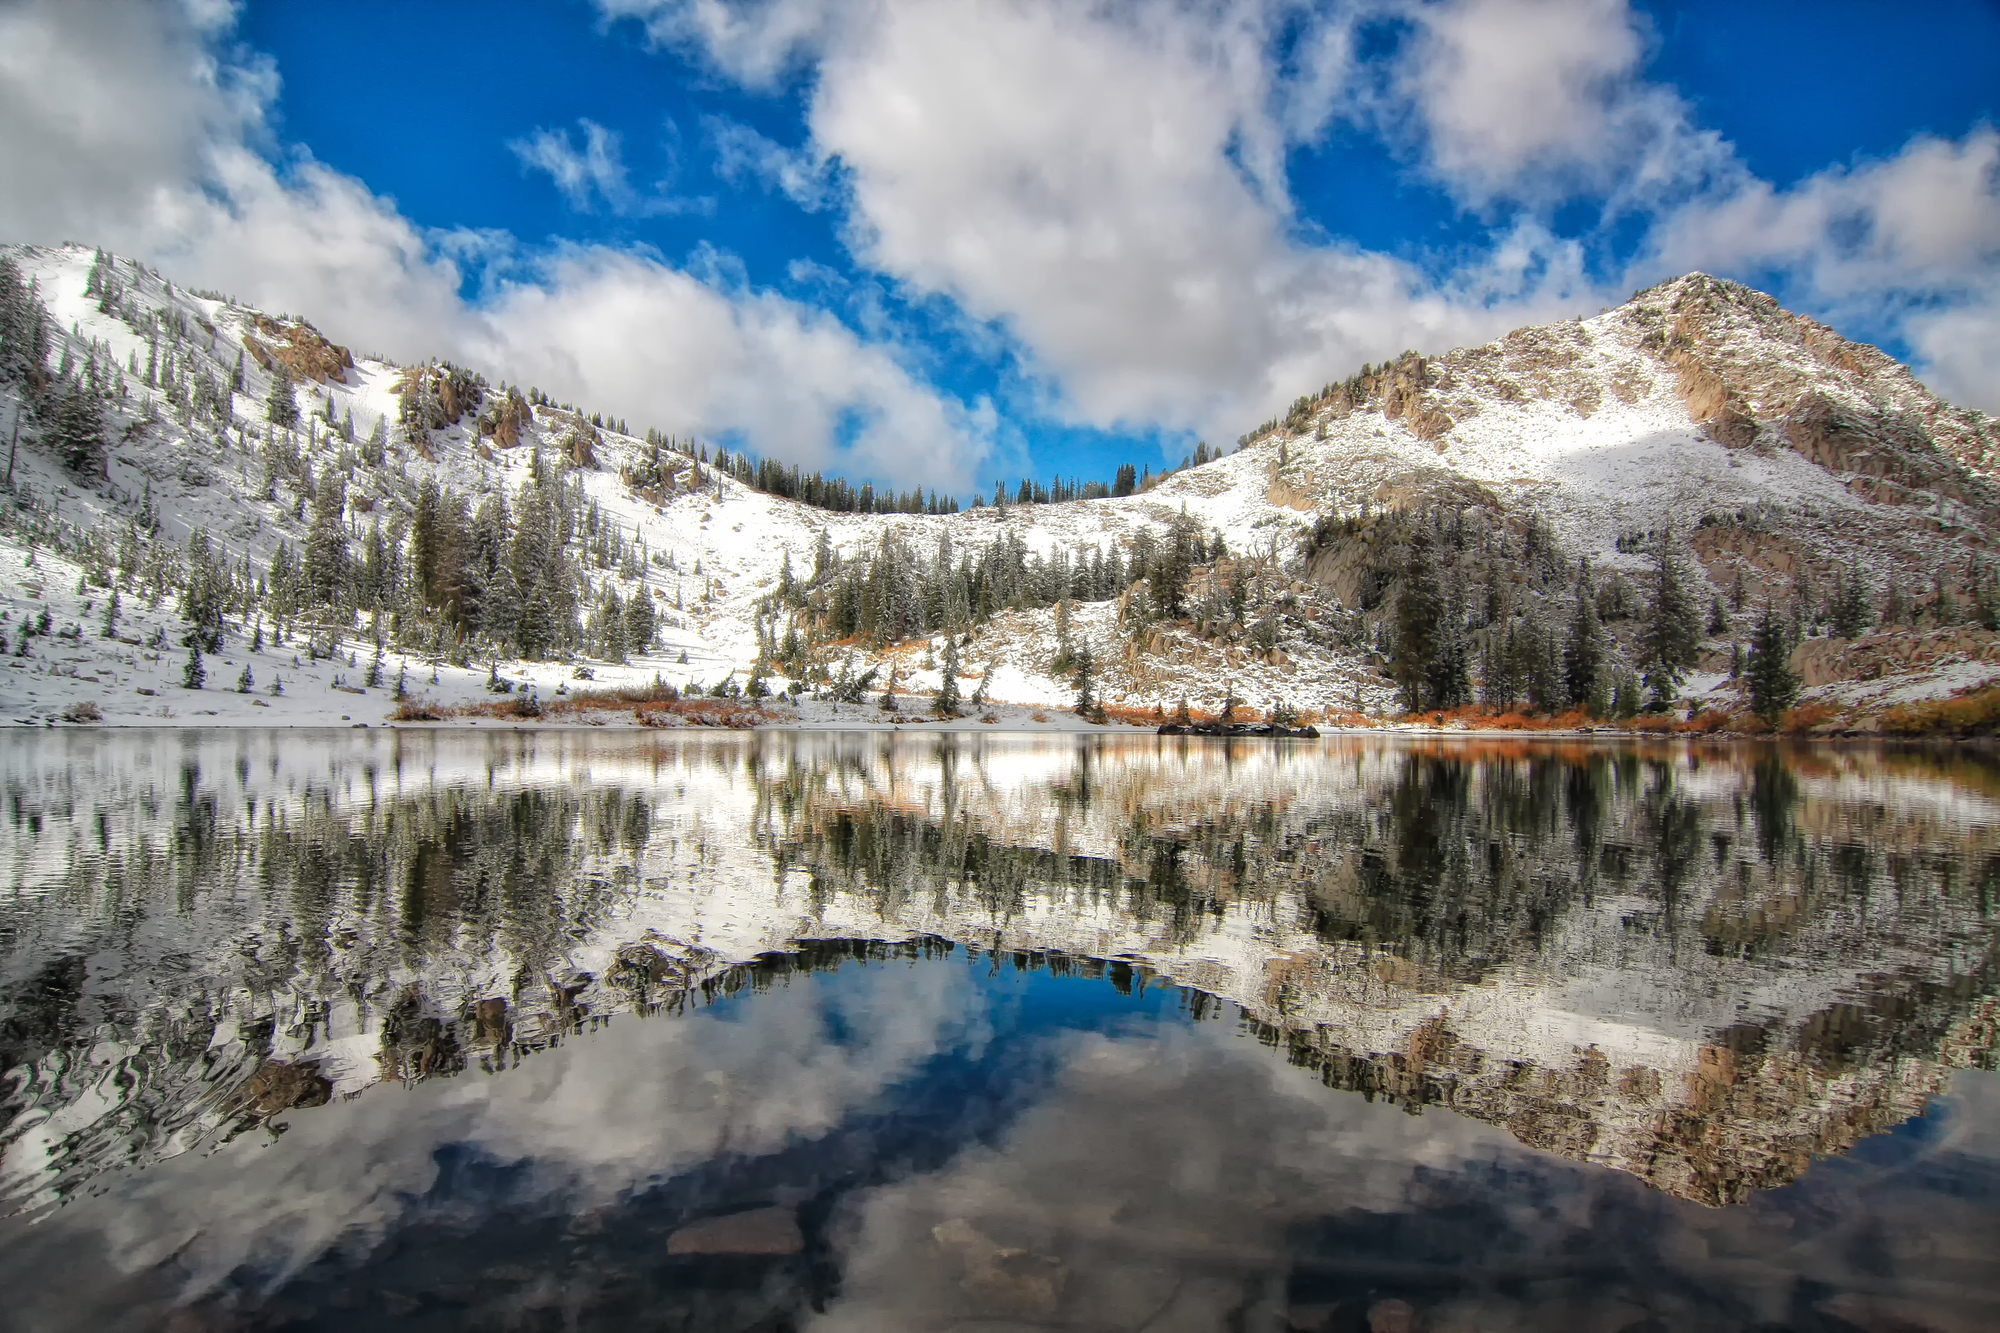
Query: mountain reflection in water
[867,1032]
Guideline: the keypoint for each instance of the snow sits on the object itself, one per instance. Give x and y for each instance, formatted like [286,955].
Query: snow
[1633,461]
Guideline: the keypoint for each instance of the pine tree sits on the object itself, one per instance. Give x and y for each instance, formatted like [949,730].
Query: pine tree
[111,616]
[1774,688]
[1420,617]
[194,673]
[76,428]
[1895,603]
[327,564]
[281,405]
[1086,698]
[1672,635]
[948,666]
[1583,654]
[640,622]
[1852,613]
[24,324]
[245,682]
[1499,672]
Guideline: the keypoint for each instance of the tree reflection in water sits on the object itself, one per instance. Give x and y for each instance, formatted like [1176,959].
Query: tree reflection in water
[1702,967]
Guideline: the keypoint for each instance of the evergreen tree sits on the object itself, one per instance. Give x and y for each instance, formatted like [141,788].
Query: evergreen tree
[204,591]
[948,666]
[281,405]
[1086,698]
[1451,670]
[640,622]
[1774,687]
[1500,670]
[194,673]
[1852,613]
[245,682]
[1420,617]
[1672,635]
[76,428]
[24,326]
[1583,654]
[1541,667]
[1895,603]
[327,566]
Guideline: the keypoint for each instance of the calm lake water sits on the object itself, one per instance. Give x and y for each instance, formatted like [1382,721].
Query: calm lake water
[762,1032]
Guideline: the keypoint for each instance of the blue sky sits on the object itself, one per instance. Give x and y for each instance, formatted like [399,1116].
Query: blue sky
[939,243]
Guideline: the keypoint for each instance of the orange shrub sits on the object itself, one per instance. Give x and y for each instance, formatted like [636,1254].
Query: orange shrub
[1975,712]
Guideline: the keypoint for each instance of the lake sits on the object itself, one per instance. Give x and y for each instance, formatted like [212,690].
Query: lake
[576,1030]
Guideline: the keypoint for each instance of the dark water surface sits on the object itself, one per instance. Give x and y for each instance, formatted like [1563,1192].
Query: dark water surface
[589,1031]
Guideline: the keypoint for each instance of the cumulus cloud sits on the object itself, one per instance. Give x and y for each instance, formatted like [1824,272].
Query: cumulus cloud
[123,128]
[1911,242]
[1540,99]
[1109,186]
[657,343]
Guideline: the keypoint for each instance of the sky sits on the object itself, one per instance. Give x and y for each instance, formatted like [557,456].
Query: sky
[937,242]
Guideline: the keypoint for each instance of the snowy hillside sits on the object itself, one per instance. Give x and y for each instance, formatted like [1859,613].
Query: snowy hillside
[427,530]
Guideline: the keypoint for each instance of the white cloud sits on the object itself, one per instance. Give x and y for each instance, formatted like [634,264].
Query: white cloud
[754,41]
[1109,186]
[1927,219]
[119,127]
[595,172]
[742,154]
[655,343]
[1911,242]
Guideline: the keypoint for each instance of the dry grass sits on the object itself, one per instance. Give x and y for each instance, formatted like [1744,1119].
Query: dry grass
[649,705]
[1973,713]
[1807,716]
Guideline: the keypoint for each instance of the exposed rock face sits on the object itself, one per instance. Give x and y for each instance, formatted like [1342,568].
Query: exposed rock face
[504,421]
[660,476]
[436,396]
[1878,656]
[300,348]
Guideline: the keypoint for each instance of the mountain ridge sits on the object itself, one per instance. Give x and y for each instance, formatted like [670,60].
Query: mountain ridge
[1777,460]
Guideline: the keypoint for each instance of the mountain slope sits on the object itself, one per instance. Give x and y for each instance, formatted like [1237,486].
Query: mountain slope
[476,530]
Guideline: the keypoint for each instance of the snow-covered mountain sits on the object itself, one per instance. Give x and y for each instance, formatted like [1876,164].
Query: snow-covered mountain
[483,530]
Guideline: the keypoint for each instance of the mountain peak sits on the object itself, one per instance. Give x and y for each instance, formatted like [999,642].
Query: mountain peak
[466,531]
